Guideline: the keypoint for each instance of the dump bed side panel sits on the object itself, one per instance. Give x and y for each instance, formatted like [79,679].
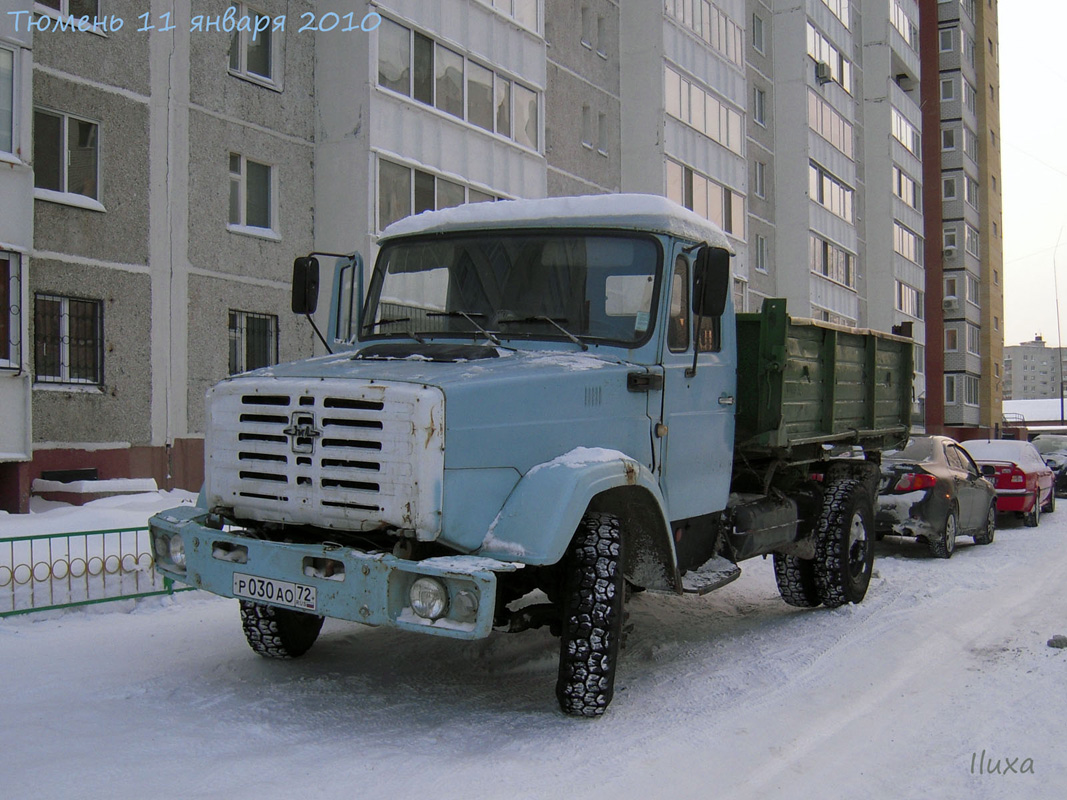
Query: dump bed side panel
[803,383]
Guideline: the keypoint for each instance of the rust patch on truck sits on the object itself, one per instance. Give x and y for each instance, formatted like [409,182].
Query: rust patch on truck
[630,468]
[431,429]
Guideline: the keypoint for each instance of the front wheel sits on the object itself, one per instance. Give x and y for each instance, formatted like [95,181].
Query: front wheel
[592,616]
[844,546]
[278,632]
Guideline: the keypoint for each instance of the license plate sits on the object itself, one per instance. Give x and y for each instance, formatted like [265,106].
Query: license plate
[283,593]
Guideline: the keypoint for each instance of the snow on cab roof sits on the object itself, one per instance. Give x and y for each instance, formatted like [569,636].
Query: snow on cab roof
[644,212]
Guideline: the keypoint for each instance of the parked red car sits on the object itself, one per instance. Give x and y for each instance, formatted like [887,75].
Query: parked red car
[1024,482]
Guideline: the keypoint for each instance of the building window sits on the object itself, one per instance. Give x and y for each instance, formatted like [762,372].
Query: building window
[7,100]
[403,191]
[68,8]
[761,253]
[970,390]
[839,68]
[10,311]
[948,89]
[252,51]
[760,179]
[907,134]
[948,139]
[970,143]
[974,339]
[759,111]
[757,33]
[907,243]
[905,187]
[948,188]
[68,340]
[945,37]
[253,341]
[972,241]
[65,154]
[970,190]
[831,261]
[711,200]
[952,340]
[950,390]
[711,25]
[909,300]
[970,97]
[416,66]
[840,9]
[950,288]
[829,192]
[949,238]
[522,11]
[830,125]
[251,194]
[690,103]
[973,290]
[905,27]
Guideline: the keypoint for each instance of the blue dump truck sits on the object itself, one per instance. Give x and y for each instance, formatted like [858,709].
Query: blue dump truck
[533,410]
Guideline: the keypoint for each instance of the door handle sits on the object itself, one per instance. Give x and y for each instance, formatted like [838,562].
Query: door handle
[726,399]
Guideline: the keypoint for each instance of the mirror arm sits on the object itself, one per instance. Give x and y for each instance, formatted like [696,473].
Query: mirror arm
[318,333]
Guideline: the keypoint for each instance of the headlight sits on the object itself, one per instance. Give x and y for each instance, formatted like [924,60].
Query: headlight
[429,598]
[176,548]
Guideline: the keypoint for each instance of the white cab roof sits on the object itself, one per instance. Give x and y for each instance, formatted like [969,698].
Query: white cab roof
[640,212]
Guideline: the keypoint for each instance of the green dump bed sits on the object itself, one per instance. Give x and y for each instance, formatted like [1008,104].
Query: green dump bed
[803,384]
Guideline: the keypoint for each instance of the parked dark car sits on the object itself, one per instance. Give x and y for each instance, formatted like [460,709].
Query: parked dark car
[933,490]
[1053,449]
[1024,481]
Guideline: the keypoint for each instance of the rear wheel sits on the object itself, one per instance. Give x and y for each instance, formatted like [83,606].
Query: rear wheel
[1050,506]
[844,544]
[944,546]
[278,632]
[796,580]
[592,616]
[986,536]
[1032,518]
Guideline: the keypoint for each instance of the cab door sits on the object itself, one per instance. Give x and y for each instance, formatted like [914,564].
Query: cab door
[698,406]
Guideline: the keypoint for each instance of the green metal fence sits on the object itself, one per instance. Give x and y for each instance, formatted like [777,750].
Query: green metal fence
[61,570]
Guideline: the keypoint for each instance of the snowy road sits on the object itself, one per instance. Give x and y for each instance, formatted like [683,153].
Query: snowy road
[734,695]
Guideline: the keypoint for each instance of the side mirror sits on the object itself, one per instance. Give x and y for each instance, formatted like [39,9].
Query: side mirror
[305,285]
[711,281]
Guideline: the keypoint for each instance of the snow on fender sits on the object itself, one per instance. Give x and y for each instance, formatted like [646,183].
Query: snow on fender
[540,516]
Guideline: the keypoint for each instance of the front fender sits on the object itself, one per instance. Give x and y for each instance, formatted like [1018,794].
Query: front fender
[538,520]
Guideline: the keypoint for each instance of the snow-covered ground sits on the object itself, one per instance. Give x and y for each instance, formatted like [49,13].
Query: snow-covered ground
[734,695]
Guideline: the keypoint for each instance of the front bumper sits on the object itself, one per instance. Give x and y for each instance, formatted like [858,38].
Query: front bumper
[372,588]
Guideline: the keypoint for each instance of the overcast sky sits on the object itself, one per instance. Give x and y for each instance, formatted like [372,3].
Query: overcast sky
[1033,109]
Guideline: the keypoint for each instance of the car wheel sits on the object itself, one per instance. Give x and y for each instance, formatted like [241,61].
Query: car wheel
[796,580]
[944,546]
[1032,518]
[986,536]
[1050,506]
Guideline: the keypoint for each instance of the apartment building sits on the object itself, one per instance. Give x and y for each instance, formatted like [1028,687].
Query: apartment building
[176,174]
[1033,371]
[966,247]
[16,242]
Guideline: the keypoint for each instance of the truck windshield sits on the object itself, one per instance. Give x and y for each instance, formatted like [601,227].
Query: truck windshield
[584,286]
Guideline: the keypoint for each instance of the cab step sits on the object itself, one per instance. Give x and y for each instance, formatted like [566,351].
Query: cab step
[711,575]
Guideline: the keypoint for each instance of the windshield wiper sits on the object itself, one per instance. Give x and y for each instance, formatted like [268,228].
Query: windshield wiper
[412,334]
[470,318]
[555,324]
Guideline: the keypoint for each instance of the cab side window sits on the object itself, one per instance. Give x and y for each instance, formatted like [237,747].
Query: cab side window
[678,323]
